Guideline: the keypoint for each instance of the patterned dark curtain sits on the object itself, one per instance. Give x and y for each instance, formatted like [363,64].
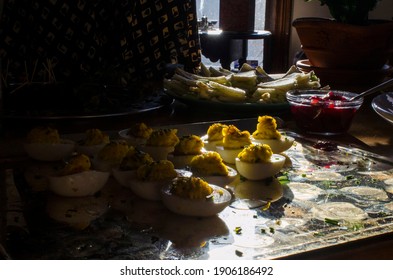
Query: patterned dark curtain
[113,41]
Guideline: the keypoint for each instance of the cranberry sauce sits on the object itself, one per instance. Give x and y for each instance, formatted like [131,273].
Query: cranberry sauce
[324,114]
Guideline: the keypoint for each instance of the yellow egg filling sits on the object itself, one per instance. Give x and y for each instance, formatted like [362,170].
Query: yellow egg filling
[191,188]
[234,138]
[135,158]
[266,128]
[163,137]
[95,136]
[214,132]
[156,170]
[209,163]
[114,151]
[76,164]
[140,130]
[189,145]
[43,135]
[256,153]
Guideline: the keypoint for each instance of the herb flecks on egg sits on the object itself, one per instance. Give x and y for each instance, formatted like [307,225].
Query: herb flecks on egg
[234,138]
[209,163]
[95,136]
[191,188]
[266,128]
[189,145]
[256,153]
[114,151]
[76,164]
[163,137]
[134,159]
[43,135]
[140,130]
[214,132]
[157,170]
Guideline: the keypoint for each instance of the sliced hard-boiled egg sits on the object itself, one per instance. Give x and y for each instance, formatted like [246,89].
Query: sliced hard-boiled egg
[137,134]
[50,151]
[219,180]
[151,189]
[78,184]
[91,151]
[187,147]
[129,164]
[214,136]
[150,178]
[191,196]
[123,177]
[180,161]
[210,167]
[158,152]
[131,139]
[94,141]
[210,145]
[228,155]
[257,162]
[110,156]
[267,133]
[45,144]
[277,145]
[260,170]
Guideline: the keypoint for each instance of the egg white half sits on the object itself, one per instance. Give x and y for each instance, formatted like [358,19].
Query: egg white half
[90,151]
[180,161]
[151,190]
[123,176]
[197,207]
[220,180]
[210,145]
[158,152]
[228,155]
[260,170]
[132,140]
[277,145]
[79,184]
[48,151]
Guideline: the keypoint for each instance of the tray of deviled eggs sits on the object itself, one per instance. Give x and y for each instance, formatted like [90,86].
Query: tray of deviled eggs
[237,189]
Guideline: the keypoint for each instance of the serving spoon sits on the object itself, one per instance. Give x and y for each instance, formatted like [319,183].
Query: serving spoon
[372,90]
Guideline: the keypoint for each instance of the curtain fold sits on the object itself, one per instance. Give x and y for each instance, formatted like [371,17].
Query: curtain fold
[110,41]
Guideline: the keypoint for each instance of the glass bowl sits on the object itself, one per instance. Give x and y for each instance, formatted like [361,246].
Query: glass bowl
[324,112]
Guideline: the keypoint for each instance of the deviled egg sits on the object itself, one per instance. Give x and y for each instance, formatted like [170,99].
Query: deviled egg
[45,144]
[257,162]
[111,155]
[94,141]
[192,196]
[214,136]
[267,133]
[76,178]
[151,177]
[211,168]
[137,134]
[233,143]
[188,147]
[129,165]
[161,142]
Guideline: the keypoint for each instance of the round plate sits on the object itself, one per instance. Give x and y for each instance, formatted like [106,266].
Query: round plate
[238,107]
[383,106]
[150,103]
